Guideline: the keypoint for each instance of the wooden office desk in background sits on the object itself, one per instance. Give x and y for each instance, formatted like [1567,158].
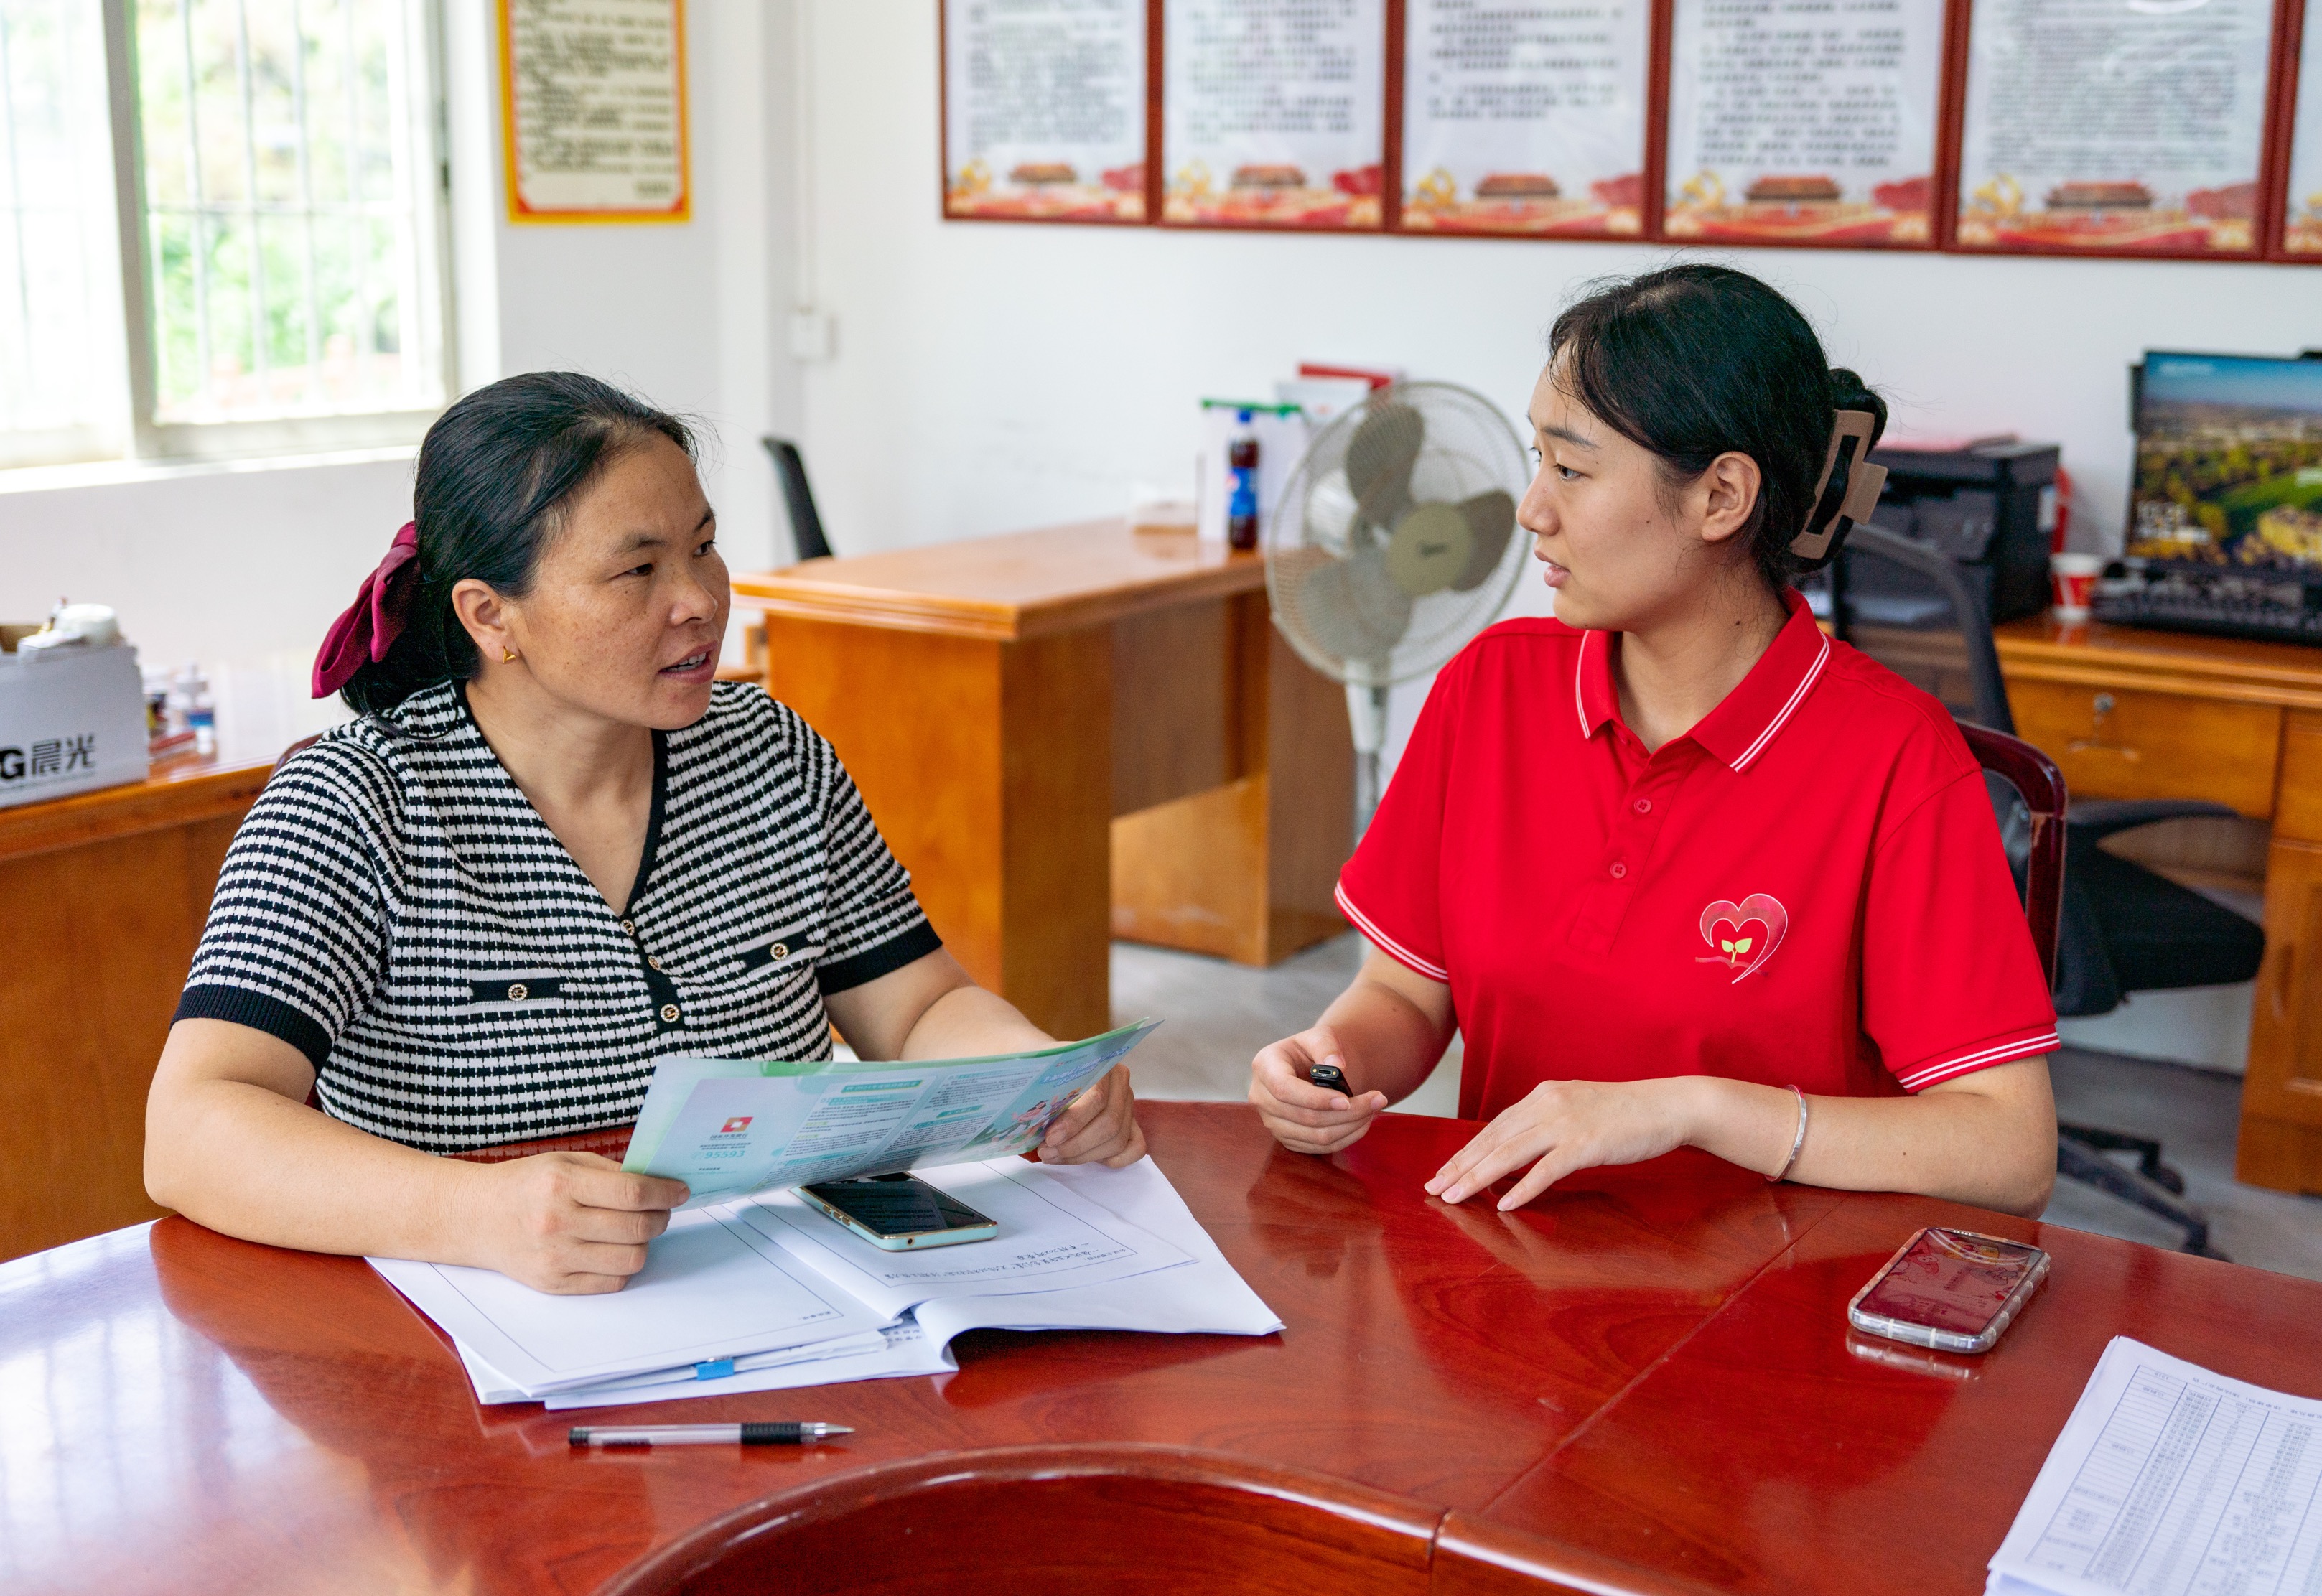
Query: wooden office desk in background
[1645,1379]
[2131,713]
[1072,735]
[105,893]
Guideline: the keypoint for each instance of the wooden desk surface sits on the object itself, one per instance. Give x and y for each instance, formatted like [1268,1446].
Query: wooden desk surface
[176,792]
[2182,662]
[1653,1364]
[1018,585]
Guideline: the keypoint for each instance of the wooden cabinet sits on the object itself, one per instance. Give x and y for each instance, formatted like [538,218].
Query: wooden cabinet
[2281,1097]
[2157,715]
[106,893]
[2121,742]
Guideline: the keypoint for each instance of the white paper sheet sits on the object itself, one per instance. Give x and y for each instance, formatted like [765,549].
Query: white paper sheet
[1050,1236]
[2171,1481]
[907,1350]
[1203,1294]
[710,1289]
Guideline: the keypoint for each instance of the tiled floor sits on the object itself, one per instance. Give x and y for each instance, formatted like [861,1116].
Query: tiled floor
[1219,1014]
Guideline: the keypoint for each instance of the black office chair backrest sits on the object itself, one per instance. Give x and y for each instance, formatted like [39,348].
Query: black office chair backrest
[806,525]
[1910,608]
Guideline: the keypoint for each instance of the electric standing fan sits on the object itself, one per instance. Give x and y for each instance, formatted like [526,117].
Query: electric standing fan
[1393,543]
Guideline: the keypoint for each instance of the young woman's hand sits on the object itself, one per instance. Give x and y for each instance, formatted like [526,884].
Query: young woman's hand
[1566,1126]
[1099,1127]
[1304,1116]
[569,1222]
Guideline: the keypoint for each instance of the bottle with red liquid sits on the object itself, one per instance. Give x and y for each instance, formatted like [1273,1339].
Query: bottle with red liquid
[1241,505]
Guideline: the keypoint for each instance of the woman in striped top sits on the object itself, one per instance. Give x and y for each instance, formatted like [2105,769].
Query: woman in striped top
[552,850]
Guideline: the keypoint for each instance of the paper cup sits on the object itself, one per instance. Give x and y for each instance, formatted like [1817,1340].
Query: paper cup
[2074,576]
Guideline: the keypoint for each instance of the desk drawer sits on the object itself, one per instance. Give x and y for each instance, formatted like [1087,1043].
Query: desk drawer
[2115,743]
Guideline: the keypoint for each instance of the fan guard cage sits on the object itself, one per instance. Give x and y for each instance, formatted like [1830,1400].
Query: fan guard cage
[1347,544]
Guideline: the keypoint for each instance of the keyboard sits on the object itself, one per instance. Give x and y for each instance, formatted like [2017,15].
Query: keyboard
[2228,607]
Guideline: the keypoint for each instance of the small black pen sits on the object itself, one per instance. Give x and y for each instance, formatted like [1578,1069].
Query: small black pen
[787,1432]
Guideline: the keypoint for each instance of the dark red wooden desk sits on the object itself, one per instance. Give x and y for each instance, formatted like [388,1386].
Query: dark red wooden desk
[1651,1364]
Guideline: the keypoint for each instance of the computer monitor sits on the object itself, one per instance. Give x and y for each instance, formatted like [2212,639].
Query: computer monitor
[2228,465]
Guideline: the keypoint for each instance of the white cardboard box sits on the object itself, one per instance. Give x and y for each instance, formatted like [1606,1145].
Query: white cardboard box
[71,718]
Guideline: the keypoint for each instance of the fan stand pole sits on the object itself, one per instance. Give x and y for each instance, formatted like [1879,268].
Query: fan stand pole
[1366,718]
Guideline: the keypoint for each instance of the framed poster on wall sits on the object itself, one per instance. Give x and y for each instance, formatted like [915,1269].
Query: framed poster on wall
[1521,118]
[2122,126]
[2301,232]
[1274,113]
[1044,106]
[592,110]
[1797,121]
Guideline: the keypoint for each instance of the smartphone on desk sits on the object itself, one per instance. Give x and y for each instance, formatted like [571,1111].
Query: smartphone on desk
[895,1212]
[1954,1290]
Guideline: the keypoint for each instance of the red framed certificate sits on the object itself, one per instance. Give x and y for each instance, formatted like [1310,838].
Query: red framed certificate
[1797,121]
[2106,127]
[1521,118]
[2301,211]
[1044,110]
[1274,113]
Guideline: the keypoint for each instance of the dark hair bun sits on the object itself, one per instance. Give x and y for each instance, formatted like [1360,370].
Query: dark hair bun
[1694,361]
[494,473]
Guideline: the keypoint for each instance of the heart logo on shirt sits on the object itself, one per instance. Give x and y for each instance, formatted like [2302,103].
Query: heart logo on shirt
[1745,933]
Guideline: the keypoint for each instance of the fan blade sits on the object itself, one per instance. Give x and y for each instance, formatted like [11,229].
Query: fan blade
[1379,460]
[1491,518]
[1330,511]
[1431,549]
[1351,609]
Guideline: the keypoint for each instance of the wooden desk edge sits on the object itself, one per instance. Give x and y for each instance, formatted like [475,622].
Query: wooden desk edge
[778,592]
[129,809]
[2031,652]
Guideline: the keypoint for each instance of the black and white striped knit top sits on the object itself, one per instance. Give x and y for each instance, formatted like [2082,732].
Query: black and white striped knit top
[395,909]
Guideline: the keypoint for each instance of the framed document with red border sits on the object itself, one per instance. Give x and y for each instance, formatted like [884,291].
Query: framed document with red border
[2301,221]
[592,110]
[1274,113]
[1044,110]
[1523,118]
[1797,121]
[2115,127]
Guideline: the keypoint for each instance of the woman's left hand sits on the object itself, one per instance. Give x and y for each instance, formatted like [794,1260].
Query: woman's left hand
[1568,1126]
[1099,1127]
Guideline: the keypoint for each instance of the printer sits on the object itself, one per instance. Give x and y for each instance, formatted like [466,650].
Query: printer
[1990,507]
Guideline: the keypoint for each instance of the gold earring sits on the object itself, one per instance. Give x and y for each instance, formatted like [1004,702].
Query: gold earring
[506,653]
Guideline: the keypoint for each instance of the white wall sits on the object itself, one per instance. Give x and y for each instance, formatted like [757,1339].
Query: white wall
[238,563]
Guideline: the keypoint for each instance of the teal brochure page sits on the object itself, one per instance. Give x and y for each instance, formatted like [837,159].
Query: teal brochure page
[727,1128]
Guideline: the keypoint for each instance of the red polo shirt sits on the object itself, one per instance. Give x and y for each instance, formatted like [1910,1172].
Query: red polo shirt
[1806,889]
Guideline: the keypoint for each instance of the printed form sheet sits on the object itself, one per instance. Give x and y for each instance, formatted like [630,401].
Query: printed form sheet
[2171,1481]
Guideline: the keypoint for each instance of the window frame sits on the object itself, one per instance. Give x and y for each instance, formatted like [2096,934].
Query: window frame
[148,439]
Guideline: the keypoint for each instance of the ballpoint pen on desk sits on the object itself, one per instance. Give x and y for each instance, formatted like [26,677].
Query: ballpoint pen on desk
[789,1432]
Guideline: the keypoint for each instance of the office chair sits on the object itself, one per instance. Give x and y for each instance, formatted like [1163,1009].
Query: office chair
[2121,927]
[806,525]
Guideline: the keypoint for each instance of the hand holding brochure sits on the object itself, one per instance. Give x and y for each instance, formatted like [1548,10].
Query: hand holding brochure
[727,1128]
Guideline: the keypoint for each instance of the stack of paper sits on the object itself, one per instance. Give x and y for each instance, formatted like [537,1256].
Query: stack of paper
[765,1293]
[2168,1479]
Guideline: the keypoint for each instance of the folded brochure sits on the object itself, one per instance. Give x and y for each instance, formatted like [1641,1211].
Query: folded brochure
[727,1128]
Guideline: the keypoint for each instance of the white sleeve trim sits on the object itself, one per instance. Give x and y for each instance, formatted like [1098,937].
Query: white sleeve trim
[1387,945]
[1979,1058]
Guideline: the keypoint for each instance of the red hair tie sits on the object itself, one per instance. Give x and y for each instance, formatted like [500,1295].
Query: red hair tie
[371,623]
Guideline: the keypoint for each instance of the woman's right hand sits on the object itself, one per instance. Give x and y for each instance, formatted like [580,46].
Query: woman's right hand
[569,1222]
[1304,1116]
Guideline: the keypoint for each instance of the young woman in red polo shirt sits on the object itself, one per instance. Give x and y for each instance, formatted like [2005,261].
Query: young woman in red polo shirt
[1682,870]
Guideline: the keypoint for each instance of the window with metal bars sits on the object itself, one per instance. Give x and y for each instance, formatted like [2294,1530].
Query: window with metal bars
[221,226]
